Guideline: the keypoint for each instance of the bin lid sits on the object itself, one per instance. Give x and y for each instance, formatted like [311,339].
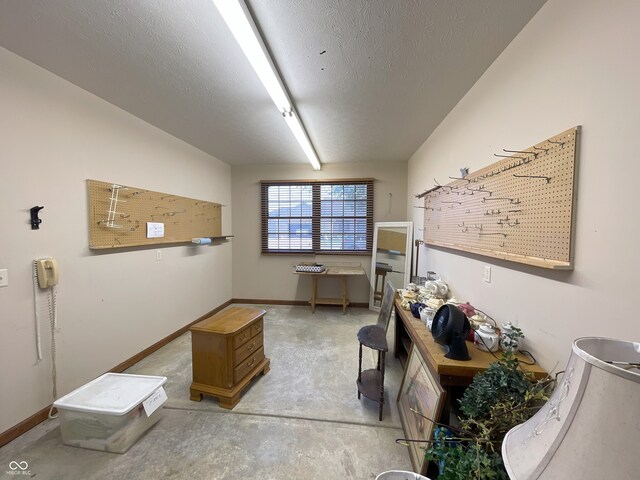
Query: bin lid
[111,393]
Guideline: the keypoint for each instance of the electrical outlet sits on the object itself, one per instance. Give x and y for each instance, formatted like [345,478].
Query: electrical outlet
[158,255]
[4,277]
[487,273]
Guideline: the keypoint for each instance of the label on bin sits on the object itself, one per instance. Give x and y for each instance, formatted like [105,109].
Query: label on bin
[155,401]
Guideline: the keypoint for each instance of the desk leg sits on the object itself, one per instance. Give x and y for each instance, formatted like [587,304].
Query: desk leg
[314,292]
[397,340]
[381,368]
[445,414]
[345,294]
[359,370]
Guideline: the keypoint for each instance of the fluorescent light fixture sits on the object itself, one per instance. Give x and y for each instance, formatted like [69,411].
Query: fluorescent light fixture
[293,122]
[238,19]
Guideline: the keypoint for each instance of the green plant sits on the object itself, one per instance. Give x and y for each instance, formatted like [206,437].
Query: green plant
[502,382]
[498,399]
[465,462]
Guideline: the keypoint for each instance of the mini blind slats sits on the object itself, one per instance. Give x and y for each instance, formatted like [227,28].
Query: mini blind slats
[309,216]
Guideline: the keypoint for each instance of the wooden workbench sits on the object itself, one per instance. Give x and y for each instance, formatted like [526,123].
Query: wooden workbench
[410,330]
[343,272]
[450,373]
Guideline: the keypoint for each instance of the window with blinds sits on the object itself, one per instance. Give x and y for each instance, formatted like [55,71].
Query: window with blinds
[328,216]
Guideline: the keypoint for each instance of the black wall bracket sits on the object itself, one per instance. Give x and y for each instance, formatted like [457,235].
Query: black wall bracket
[35,221]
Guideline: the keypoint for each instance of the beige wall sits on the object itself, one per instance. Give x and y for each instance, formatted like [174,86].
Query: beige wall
[258,276]
[111,305]
[575,63]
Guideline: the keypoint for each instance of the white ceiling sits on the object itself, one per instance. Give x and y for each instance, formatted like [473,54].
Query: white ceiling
[390,72]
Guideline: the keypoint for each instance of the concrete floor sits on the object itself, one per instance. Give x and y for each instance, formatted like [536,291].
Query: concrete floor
[301,420]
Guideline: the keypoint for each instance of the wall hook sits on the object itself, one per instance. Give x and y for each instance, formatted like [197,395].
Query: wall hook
[535,154]
[484,200]
[548,179]
[442,186]
[35,221]
[460,178]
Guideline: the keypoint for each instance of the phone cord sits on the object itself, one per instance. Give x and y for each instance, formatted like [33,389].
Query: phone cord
[36,291]
[53,317]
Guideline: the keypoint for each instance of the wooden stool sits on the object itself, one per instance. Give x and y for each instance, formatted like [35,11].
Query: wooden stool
[381,272]
[371,382]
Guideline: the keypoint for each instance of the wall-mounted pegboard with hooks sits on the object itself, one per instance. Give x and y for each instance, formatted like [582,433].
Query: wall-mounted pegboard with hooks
[520,208]
[119,216]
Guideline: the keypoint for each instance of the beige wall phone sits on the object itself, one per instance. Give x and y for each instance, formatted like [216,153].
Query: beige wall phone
[45,277]
[47,272]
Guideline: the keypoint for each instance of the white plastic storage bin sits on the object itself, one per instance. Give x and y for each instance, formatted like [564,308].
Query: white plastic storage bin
[108,413]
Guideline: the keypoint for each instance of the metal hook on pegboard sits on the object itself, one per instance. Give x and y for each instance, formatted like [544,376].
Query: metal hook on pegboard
[535,154]
[548,179]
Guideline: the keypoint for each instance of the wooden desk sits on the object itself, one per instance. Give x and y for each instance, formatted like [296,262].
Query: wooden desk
[341,272]
[410,330]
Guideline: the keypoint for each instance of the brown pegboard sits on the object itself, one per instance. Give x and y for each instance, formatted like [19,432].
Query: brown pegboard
[123,222]
[519,208]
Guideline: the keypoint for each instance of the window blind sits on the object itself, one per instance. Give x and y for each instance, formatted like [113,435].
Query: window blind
[317,216]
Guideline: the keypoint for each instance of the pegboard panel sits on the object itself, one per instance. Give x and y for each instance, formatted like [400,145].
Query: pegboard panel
[519,208]
[118,216]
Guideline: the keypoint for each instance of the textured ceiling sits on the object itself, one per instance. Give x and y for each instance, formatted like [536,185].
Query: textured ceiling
[371,79]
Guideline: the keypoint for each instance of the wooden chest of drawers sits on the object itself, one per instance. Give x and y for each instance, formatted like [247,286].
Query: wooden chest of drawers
[228,352]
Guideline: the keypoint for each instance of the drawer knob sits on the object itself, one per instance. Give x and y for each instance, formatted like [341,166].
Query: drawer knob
[252,362]
[253,345]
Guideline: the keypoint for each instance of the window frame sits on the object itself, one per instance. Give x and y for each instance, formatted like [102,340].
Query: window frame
[316,216]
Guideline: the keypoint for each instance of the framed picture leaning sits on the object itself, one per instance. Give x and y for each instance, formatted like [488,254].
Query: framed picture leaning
[420,401]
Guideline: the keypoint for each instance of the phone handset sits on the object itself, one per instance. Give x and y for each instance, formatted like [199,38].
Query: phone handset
[47,272]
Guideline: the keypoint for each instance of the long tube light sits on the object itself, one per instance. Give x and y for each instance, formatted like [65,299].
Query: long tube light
[239,20]
[293,122]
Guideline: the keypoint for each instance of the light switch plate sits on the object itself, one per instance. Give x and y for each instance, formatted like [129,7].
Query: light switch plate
[4,277]
[487,273]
